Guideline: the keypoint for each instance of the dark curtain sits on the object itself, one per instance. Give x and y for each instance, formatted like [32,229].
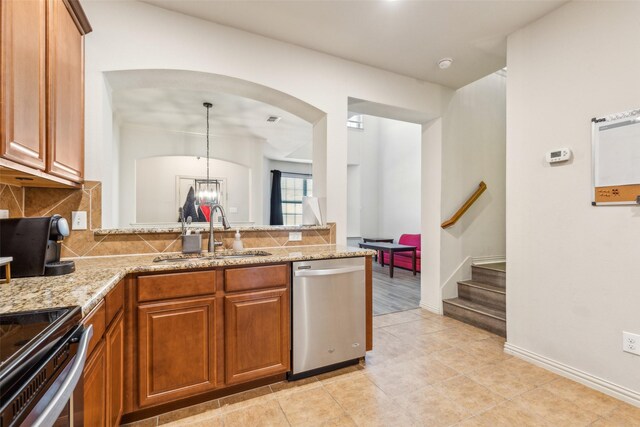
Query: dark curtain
[276,198]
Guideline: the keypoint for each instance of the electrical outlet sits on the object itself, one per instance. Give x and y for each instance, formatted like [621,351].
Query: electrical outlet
[631,343]
[4,213]
[233,210]
[79,220]
[295,236]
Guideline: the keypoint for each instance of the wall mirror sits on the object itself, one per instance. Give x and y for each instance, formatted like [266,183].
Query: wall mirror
[160,146]
[616,159]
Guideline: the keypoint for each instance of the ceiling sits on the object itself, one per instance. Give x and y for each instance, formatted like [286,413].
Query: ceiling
[181,110]
[405,37]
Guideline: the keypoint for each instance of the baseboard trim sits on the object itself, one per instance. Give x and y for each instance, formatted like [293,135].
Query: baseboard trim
[619,392]
[436,310]
[479,260]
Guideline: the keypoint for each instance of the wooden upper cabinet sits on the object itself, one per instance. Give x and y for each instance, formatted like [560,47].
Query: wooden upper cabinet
[256,334]
[23,87]
[42,92]
[65,60]
[176,349]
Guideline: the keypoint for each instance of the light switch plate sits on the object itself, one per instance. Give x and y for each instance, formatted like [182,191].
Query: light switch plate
[79,220]
[233,210]
[4,213]
[295,236]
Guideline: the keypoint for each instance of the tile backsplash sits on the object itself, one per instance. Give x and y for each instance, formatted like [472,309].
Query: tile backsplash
[30,202]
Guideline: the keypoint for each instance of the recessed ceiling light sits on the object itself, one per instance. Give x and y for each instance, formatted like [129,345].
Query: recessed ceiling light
[445,63]
[273,119]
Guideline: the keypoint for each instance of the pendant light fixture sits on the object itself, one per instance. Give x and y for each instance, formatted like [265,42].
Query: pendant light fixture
[206,194]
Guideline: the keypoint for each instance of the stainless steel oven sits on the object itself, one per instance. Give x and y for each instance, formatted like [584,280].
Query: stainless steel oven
[42,356]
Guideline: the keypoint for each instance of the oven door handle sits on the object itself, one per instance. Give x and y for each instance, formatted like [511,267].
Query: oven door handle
[50,414]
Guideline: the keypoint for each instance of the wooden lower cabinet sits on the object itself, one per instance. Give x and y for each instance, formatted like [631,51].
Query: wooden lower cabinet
[114,344]
[176,346]
[256,335]
[95,381]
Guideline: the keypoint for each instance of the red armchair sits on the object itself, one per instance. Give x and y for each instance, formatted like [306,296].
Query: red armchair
[403,259]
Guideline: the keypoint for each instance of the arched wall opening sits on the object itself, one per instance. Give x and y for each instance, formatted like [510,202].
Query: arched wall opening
[121,203]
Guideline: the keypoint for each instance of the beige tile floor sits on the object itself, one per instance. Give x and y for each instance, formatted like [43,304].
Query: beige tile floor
[425,370]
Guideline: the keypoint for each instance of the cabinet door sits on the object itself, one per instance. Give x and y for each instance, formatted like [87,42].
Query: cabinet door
[114,341]
[256,335]
[176,349]
[65,56]
[94,377]
[23,83]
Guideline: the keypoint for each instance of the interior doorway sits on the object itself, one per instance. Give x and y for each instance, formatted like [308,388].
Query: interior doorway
[384,205]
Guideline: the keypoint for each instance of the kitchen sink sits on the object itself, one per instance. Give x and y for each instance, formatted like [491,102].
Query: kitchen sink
[209,256]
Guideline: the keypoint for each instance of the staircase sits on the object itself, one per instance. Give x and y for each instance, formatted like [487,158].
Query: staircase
[481,300]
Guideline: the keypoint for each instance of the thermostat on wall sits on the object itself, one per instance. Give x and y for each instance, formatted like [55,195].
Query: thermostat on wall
[560,155]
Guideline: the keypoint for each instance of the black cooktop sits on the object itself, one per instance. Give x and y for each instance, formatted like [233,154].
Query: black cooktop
[26,336]
[28,341]
[18,330]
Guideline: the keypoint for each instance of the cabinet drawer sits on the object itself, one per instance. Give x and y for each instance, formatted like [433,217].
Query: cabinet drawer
[250,278]
[114,301]
[176,285]
[96,318]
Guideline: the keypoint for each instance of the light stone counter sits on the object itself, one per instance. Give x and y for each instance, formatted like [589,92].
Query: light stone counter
[96,276]
[205,229]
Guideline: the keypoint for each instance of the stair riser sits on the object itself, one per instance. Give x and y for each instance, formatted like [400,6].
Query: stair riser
[482,296]
[492,277]
[491,324]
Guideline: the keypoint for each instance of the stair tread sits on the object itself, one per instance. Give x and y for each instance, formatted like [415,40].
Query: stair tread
[497,266]
[498,314]
[485,286]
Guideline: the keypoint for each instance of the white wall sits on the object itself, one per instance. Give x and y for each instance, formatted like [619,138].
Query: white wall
[133,35]
[399,178]
[385,196]
[572,278]
[354,200]
[363,152]
[140,142]
[155,187]
[474,128]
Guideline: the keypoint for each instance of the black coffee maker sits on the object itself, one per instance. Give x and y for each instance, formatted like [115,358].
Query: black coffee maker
[35,244]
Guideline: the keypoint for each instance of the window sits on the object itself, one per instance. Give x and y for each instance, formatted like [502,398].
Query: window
[294,188]
[356,122]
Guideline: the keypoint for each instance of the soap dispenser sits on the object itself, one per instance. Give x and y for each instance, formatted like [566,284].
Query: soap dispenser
[237,243]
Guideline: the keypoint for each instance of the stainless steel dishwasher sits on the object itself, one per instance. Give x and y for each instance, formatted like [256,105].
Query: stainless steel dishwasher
[329,328]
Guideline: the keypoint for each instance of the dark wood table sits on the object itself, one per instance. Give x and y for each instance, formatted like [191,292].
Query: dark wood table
[377,239]
[392,248]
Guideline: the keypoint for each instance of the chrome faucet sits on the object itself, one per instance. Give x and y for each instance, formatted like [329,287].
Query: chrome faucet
[225,225]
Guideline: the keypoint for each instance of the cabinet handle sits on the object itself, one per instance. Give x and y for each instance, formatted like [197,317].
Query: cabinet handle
[327,272]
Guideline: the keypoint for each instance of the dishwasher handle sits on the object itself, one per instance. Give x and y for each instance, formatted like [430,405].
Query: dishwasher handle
[327,271]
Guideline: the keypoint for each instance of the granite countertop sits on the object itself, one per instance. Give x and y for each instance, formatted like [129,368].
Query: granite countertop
[96,276]
[205,228]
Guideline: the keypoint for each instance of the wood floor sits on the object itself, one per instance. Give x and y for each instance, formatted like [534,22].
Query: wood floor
[397,294]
